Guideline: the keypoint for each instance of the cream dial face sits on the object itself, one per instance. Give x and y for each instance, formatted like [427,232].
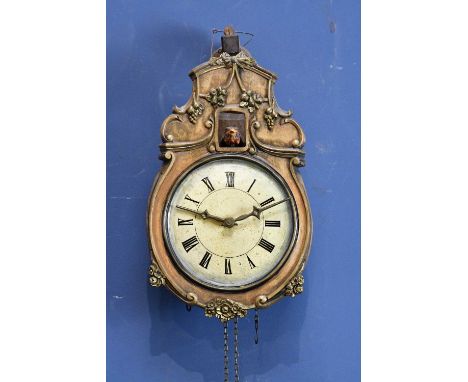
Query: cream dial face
[230,222]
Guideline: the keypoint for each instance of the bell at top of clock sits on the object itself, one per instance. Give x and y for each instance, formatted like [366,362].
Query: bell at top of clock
[233,109]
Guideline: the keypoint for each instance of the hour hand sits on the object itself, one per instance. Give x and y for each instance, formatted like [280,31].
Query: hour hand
[261,209]
[257,211]
[204,215]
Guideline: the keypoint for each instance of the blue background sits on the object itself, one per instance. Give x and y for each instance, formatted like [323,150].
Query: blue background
[314,47]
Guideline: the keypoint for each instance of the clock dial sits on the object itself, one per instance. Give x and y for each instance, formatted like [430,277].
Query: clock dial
[230,222]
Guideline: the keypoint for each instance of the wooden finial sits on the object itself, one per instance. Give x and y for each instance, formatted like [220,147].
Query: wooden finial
[229,30]
[230,41]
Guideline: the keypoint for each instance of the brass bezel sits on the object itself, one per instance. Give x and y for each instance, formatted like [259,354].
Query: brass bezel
[202,162]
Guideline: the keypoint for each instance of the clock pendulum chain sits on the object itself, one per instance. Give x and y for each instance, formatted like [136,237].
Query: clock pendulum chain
[226,351]
[226,359]
[236,351]
[256,326]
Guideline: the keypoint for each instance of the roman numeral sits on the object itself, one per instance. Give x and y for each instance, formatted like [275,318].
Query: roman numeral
[272,223]
[206,260]
[184,222]
[190,243]
[227,266]
[251,185]
[208,184]
[268,201]
[189,198]
[230,179]
[251,263]
[265,244]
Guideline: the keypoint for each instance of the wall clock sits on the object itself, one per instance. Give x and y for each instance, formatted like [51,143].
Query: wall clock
[229,221]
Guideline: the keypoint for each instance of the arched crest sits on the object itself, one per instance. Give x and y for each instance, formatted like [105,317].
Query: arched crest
[235,84]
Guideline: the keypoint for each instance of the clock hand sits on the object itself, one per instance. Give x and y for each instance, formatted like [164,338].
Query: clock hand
[204,215]
[261,209]
[256,211]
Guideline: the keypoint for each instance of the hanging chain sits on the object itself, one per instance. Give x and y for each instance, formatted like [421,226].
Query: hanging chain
[256,326]
[226,349]
[236,351]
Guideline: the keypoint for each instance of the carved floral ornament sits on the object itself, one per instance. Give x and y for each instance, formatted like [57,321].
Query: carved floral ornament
[217,97]
[225,59]
[195,110]
[251,100]
[225,309]
[295,287]
[270,117]
[156,278]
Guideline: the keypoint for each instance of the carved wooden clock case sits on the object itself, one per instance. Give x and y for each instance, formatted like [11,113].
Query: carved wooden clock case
[230,126]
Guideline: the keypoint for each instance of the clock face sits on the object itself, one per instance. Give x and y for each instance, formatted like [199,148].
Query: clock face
[230,222]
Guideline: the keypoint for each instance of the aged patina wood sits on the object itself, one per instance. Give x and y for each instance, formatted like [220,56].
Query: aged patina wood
[230,83]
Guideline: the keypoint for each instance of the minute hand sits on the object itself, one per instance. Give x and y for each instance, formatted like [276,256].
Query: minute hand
[204,215]
[256,211]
